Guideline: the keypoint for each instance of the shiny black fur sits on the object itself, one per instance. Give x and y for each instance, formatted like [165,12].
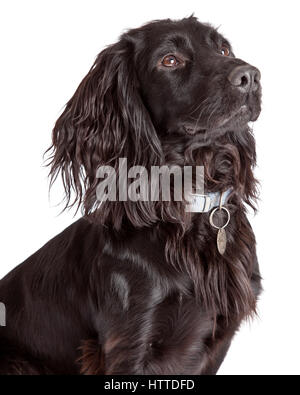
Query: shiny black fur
[139,287]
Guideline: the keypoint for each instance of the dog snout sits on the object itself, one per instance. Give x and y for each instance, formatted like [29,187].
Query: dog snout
[246,78]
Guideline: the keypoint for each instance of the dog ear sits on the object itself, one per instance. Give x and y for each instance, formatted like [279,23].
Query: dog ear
[105,120]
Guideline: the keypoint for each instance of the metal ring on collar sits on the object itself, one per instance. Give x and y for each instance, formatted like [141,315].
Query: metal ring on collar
[212,215]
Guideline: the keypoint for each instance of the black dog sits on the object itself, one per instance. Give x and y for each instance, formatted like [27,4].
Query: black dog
[140,287]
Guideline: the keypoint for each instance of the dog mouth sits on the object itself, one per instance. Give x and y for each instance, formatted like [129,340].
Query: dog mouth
[241,116]
[192,130]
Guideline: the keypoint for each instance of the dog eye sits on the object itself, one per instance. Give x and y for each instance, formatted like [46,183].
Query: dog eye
[170,61]
[225,51]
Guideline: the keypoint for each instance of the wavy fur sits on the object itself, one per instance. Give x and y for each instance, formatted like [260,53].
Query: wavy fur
[139,287]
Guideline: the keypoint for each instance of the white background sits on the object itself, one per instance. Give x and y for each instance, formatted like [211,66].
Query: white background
[46,49]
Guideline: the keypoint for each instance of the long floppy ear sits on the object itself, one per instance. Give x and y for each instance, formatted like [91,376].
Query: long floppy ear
[105,120]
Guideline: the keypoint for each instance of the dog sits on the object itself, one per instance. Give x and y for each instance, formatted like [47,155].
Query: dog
[145,287]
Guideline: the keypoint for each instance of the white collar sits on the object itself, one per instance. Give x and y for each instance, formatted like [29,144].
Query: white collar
[204,203]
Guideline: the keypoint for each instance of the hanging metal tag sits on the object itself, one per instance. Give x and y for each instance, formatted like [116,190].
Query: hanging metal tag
[221,241]
[221,236]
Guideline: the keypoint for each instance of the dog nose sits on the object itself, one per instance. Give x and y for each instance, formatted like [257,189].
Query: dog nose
[245,78]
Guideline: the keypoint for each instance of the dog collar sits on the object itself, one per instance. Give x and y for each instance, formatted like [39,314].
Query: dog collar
[204,203]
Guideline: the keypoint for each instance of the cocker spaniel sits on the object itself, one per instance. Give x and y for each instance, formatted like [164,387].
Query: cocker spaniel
[142,286]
